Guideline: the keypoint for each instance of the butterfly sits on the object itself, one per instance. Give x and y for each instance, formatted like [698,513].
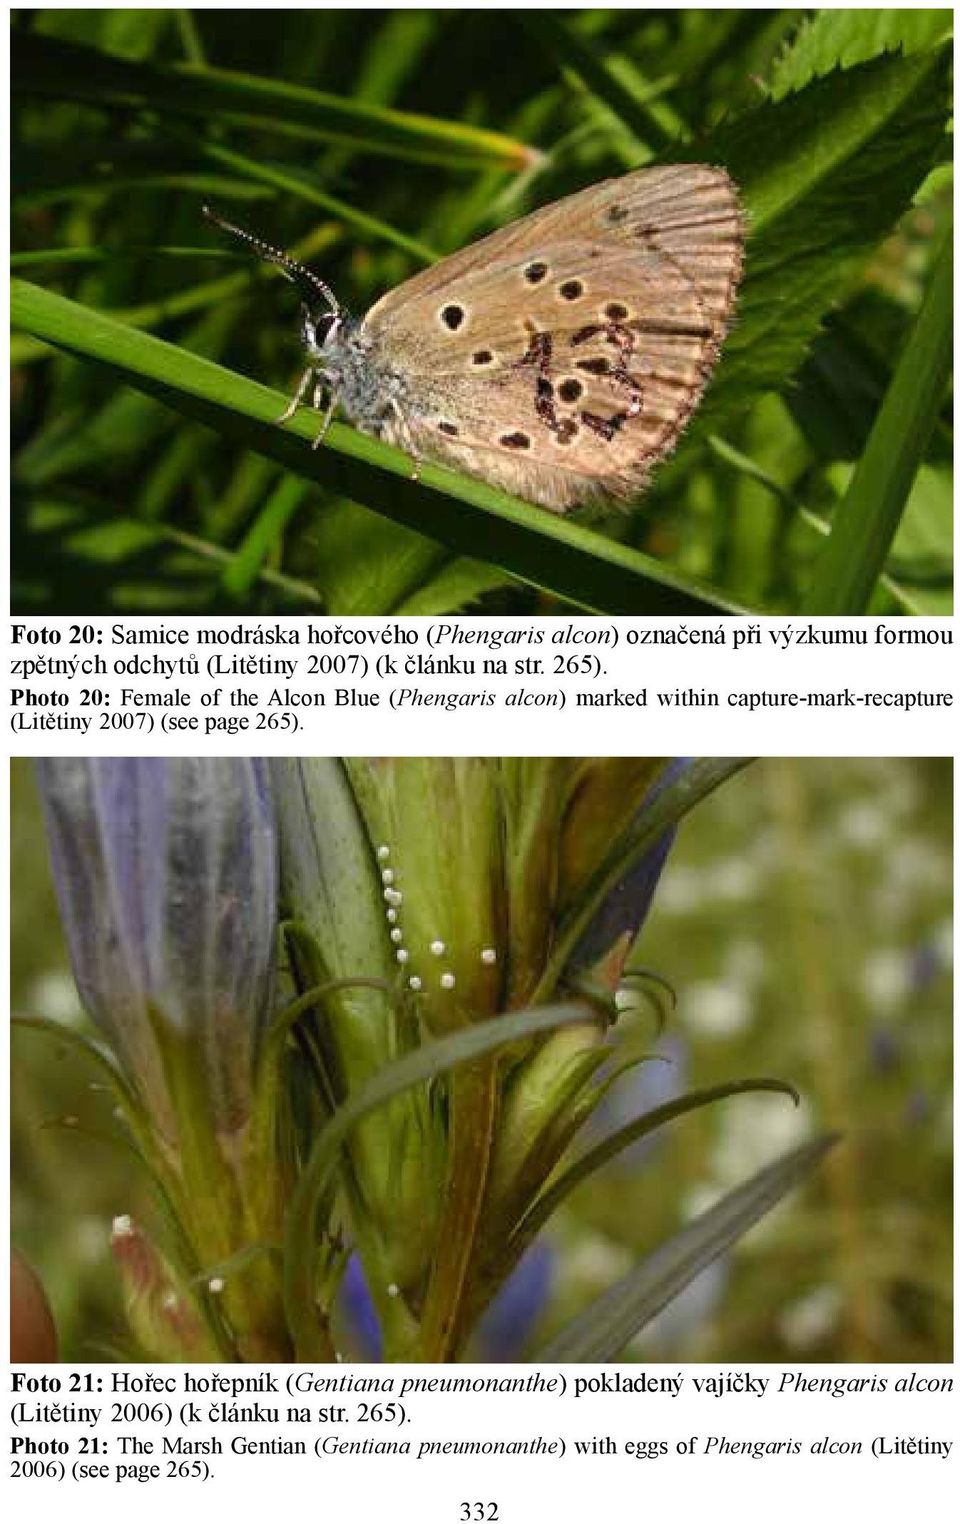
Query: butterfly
[558,358]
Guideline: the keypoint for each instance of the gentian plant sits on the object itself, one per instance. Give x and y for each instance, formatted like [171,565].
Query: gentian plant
[355,1015]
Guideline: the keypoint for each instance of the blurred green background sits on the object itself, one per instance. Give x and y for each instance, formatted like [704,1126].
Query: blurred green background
[804,920]
[122,504]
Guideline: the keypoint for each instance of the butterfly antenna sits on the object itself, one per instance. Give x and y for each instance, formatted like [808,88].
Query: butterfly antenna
[297,272]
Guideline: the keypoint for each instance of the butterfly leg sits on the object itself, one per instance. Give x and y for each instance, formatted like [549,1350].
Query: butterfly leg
[328,414]
[297,400]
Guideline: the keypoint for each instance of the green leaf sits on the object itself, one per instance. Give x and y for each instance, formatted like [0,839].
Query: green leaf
[604,1328]
[47,68]
[845,37]
[422,1065]
[544,549]
[101,1057]
[303,187]
[366,564]
[867,519]
[825,174]
[649,120]
[453,586]
[608,1148]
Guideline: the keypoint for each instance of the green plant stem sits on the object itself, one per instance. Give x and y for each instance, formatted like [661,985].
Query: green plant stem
[220,1218]
[473,1109]
[424,1064]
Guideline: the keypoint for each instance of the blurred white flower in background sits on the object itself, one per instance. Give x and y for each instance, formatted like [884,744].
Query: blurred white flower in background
[863,824]
[713,1008]
[885,978]
[756,1128]
[56,995]
[682,890]
[811,1318]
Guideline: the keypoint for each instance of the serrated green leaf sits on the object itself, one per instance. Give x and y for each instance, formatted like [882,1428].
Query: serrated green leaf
[844,37]
[825,174]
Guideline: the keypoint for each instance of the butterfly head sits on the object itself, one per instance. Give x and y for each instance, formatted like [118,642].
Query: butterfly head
[321,332]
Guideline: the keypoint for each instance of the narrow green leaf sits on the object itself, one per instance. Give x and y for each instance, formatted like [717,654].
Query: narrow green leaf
[608,1148]
[650,120]
[49,68]
[101,254]
[749,468]
[297,183]
[604,1328]
[419,1067]
[544,549]
[236,1262]
[867,519]
[96,1053]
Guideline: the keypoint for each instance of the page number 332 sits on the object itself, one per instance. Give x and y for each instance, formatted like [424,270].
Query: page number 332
[480,1513]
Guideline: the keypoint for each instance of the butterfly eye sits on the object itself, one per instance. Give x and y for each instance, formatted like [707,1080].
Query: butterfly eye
[323,326]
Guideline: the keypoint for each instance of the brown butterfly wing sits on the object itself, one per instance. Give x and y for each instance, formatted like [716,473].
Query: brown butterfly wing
[561,356]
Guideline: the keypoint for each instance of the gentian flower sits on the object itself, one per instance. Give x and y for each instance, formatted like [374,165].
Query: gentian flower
[421,897]
[165,872]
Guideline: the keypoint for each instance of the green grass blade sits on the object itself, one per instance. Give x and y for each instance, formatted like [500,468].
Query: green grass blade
[749,468]
[604,1328]
[52,69]
[282,178]
[867,519]
[544,550]
[651,120]
[262,537]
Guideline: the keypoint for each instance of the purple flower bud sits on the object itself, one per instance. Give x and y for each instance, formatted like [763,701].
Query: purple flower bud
[511,1319]
[628,903]
[357,1307]
[165,872]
